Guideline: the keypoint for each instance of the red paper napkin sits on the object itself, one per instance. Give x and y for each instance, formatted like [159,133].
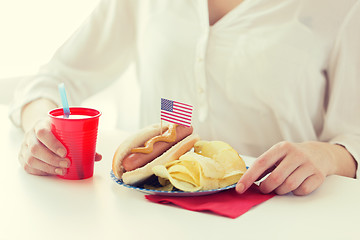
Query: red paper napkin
[226,203]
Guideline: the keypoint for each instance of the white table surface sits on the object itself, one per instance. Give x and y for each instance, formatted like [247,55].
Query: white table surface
[33,207]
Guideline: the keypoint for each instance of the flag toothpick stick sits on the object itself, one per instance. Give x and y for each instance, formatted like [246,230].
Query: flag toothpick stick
[160,127]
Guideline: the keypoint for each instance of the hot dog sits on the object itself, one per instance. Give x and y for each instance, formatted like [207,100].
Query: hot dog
[138,158]
[135,157]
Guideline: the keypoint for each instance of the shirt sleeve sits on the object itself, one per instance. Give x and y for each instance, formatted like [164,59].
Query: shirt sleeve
[342,116]
[93,57]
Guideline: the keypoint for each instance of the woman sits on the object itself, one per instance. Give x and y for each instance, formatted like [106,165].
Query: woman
[272,78]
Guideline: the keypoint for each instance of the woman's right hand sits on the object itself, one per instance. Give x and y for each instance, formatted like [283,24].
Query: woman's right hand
[41,153]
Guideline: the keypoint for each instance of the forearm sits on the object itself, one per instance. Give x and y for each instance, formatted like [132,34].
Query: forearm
[34,111]
[345,164]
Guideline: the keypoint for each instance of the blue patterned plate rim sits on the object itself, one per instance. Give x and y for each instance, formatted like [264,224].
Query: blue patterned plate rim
[169,193]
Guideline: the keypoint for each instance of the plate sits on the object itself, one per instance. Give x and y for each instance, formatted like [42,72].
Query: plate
[170,193]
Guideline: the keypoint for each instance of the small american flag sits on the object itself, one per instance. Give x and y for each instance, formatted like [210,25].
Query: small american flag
[176,112]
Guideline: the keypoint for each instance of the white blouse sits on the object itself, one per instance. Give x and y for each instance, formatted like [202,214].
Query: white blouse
[268,71]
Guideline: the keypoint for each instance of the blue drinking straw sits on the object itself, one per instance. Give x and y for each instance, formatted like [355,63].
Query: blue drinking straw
[64,100]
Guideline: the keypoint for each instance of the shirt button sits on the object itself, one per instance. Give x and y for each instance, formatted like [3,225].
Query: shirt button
[200,90]
[200,59]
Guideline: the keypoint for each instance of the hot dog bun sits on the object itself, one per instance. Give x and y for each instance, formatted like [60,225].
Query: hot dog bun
[139,175]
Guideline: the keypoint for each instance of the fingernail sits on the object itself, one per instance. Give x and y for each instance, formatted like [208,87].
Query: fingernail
[240,188]
[61,152]
[59,171]
[64,164]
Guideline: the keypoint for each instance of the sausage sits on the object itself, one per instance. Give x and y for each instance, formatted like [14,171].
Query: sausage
[137,160]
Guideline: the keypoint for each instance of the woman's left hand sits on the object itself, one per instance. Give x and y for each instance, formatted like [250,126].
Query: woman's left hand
[294,167]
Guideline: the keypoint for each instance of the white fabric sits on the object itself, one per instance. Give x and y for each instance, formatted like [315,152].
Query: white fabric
[267,71]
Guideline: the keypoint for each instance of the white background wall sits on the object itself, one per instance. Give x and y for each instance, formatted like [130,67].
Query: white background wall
[31,30]
[30,33]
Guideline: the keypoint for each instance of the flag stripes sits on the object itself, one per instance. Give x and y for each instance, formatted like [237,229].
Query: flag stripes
[176,112]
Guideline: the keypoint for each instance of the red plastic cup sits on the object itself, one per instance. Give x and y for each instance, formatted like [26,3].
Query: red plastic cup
[78,134]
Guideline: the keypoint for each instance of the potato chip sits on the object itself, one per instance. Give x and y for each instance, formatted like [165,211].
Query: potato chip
[210,148]
[163,181]
[230,178]
[209,166]
[188,185]
[168,187]
[222,152]
[209,183]
[188,171]
[212,165]
[231,160]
